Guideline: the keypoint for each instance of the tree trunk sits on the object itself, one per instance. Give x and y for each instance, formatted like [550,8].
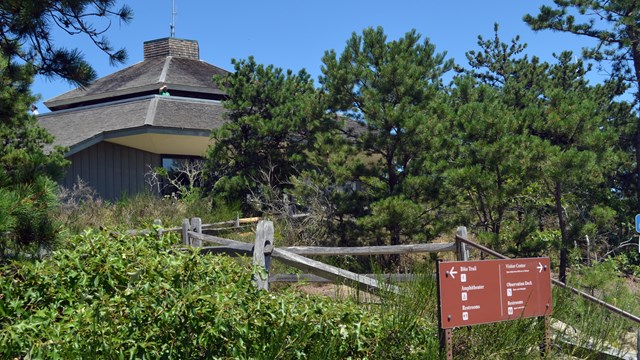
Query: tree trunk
[635,53]
[564,259]
[394,259]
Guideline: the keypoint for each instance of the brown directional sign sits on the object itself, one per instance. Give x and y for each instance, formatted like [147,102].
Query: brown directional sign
[486,291]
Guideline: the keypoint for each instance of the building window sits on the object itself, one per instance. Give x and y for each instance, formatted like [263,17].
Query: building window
[181,172]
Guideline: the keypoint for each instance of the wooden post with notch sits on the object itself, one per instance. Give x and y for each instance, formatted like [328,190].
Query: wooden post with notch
[462,253]
[196,226]
[185,232]
[262,250]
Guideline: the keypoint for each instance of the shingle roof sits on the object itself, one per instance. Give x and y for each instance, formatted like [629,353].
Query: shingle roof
[182,76]
[75,128]
[127,101]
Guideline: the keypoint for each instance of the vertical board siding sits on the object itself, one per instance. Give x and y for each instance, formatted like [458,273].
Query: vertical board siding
[112,170]
[117,172]
[67,181]
[140,164]
[84,169]
[125,174]
[93,159]
[101,166]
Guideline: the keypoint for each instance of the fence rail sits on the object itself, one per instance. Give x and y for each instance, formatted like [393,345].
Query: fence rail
[372,250]
[264,245]
[310,278]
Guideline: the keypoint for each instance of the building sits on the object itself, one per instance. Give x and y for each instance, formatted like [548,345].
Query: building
[120,127]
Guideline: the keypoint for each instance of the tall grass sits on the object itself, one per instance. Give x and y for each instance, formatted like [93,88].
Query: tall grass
[80,209]
[588,328]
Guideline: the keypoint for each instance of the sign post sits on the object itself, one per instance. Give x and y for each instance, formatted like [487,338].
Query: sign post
[446,344]
[487,291]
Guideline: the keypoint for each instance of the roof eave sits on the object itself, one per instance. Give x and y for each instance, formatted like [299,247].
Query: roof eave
[145,129]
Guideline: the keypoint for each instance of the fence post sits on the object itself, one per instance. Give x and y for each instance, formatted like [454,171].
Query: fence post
[196,225]
[547,335]
[461,248]
[262,254]
[185,232]
[158,226]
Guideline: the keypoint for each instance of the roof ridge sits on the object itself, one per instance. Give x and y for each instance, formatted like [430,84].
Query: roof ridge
[165,69]
[108,103]
[151,111]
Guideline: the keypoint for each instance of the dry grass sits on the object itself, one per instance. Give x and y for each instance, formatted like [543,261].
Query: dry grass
[81,208]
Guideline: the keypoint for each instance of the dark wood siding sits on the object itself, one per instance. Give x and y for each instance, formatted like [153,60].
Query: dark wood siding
[112,170]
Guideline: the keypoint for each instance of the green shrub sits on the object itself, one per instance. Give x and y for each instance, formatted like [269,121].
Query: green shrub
[100,296]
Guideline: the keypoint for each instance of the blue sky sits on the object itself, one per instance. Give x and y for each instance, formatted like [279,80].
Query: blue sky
[295,34]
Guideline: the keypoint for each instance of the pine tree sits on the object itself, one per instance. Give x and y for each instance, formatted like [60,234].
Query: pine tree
[27,34]
[390,88]
[574,122]
[614,27]
[564,132]
[493,161]
[26,191]
[27,49]
[274,120]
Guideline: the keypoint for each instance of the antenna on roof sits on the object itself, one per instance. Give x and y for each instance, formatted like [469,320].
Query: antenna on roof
[173,18]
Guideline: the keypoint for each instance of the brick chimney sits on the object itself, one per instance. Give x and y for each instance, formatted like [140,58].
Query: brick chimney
[171,47]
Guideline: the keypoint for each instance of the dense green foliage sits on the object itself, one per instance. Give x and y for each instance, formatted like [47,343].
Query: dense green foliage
[614,28]
[389,87]
[274,121]
[528,154]
[101,296]
[559,134]
[27,195]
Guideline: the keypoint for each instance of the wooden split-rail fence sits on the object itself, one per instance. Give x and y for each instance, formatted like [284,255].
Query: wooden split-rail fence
[263,250]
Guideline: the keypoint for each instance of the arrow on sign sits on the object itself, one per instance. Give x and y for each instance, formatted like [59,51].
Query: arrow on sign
[540,267]
[452,272]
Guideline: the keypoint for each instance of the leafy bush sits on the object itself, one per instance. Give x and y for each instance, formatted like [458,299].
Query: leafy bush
[100,296]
